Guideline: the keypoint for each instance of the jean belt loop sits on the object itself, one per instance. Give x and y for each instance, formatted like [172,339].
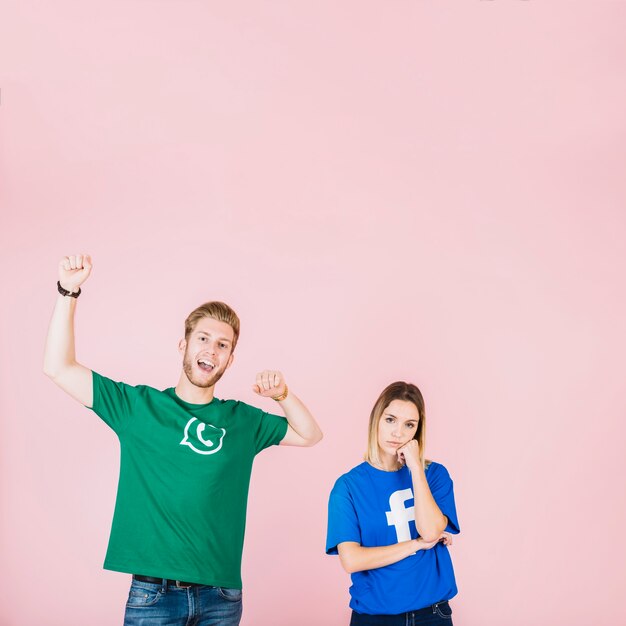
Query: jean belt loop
[164,585]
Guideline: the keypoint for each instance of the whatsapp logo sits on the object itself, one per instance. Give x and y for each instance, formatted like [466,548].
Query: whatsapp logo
[203,438]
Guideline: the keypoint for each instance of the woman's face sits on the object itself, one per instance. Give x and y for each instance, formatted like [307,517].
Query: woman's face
[397,426]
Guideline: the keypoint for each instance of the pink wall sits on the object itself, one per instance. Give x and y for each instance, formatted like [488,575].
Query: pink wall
[429,191]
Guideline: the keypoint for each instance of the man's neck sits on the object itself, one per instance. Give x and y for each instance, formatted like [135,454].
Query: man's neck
[193,394]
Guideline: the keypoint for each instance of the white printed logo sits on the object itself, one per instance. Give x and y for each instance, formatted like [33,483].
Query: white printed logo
[400,516]
[203,438]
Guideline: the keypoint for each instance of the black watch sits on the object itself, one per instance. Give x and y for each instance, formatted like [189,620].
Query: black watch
[65,292]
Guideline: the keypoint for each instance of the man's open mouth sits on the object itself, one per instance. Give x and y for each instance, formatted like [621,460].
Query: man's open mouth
[205,365]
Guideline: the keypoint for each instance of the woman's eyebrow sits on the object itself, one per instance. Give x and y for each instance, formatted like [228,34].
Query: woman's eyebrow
[395,417]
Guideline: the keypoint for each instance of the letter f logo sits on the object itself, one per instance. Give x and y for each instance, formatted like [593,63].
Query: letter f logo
[400,516]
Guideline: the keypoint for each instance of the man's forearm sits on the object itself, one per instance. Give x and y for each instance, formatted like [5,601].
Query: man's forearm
[60,351]
[301,420]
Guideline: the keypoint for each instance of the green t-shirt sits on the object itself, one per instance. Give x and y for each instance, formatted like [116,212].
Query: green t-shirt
[184,477]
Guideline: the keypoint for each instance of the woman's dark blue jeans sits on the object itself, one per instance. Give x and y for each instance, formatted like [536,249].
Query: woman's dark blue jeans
[439,614]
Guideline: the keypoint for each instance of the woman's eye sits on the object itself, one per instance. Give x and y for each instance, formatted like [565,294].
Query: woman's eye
[222,345]
[411,425]
[389,420]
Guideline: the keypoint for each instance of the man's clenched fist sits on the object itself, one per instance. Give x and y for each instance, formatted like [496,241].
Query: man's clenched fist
[74,270]
[269,384]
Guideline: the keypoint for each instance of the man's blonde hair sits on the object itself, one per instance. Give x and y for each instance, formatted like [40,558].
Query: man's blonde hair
[396,391]
[217,311]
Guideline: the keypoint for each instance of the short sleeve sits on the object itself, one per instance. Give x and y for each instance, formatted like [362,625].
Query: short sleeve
[343,524]
[271,430]
[112,401]
[442,488]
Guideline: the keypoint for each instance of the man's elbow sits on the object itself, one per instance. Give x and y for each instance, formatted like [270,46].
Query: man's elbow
[57,372]
[313,441]
[50,371]
[309,442]
[53,366]
[54,371]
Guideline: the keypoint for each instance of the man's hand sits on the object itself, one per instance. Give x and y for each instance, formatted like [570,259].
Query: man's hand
[74,270]
[409,454]
[269,384]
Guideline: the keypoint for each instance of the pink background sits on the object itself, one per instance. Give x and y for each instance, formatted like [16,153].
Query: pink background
[393,190]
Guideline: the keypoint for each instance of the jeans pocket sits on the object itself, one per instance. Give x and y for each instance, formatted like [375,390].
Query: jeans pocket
[232,595]
[143,596]
[444,610]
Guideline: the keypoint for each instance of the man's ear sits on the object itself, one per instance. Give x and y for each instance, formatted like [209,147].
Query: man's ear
[182,346]
[230,360]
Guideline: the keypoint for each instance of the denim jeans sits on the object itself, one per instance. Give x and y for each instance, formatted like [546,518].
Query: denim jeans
[152,604]
[439,614]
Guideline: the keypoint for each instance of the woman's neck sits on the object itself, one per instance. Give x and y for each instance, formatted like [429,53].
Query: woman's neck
[387,462]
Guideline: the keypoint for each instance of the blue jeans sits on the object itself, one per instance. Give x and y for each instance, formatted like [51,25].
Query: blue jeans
[152,604]
[439,614]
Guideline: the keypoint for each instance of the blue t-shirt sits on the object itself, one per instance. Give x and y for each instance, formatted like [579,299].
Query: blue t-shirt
[375,508]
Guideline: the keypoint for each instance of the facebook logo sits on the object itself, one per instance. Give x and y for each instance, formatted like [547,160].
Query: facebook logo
[400,516]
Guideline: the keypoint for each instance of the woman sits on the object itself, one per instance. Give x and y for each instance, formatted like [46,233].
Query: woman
[390,520]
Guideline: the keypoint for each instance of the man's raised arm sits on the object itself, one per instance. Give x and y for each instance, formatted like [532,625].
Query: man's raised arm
[303,430]
[60,356]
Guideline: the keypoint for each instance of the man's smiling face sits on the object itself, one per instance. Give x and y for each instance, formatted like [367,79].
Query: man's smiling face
[207,351]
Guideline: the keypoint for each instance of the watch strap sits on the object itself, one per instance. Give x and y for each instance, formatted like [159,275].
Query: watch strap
[65,292]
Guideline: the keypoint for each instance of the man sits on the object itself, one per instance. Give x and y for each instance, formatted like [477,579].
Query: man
[186,459]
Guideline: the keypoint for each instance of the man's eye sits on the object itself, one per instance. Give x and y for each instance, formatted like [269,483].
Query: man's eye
[222,345]
[202,338]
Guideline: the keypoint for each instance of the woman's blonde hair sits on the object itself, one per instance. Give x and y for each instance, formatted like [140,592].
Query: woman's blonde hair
[396,391]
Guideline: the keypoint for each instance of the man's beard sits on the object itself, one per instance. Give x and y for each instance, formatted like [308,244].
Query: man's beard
[209,382]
